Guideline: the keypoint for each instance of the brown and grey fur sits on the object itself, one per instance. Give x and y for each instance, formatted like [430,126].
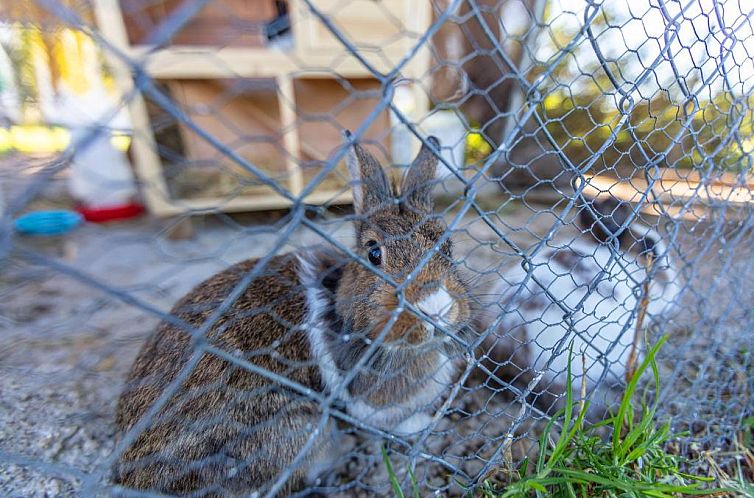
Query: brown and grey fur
[309,317]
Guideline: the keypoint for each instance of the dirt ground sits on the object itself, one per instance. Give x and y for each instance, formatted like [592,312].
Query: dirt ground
[67,343]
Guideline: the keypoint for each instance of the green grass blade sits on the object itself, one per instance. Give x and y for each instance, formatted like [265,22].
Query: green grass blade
[414,484]
[569,390]
[571,491]
[543,442]
[393,479]
[523,468]
[625,404]
[566,434]
[537,486]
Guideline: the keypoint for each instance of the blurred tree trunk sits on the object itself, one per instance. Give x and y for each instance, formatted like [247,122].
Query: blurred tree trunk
[470,74]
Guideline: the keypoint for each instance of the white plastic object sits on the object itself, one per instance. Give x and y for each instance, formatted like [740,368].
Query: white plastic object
[100,174]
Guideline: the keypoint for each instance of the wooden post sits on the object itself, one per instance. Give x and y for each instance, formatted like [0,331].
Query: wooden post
[287,103]
[144,146]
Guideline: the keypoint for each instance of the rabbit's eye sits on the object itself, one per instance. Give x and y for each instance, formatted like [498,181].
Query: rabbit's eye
[375,253]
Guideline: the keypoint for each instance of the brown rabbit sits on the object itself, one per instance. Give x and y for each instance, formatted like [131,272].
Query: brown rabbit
[309,317]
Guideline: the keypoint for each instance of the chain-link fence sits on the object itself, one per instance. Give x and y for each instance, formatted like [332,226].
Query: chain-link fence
[376,295]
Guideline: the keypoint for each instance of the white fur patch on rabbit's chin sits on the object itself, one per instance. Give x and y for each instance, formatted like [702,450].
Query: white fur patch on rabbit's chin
[387,418]
[437,305]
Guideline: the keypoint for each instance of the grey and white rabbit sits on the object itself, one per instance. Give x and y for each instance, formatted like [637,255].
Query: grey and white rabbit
[526,325]
[309,317]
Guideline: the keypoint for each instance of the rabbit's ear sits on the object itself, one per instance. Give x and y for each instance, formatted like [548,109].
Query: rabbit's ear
[370,186]
[610,212]
[418,182]
[587,221]
[618,211]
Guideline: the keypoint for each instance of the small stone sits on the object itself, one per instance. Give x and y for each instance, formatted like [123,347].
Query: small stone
[52,488]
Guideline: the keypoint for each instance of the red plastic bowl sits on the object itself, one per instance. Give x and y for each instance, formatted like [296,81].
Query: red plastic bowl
[101,215]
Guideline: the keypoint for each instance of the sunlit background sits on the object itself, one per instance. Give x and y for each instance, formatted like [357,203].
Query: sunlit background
[53,77]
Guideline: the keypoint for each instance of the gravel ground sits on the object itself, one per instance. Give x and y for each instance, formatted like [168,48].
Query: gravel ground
[66,345]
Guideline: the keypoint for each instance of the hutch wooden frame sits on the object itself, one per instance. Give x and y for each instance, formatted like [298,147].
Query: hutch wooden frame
[315,54]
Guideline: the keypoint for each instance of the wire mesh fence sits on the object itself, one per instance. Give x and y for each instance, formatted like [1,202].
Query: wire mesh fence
[461,210]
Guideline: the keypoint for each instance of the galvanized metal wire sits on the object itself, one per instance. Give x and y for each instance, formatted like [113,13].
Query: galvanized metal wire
[660,122]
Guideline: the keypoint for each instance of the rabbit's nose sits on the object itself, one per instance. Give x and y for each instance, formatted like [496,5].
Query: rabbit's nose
[433,331]
[435,325]
[437,304]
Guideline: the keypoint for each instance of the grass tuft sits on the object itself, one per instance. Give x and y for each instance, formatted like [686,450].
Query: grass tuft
[394,480]
[632,462]
[580,462]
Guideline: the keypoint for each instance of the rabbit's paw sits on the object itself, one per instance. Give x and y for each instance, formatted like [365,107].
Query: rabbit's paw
[328,459]
[413,424]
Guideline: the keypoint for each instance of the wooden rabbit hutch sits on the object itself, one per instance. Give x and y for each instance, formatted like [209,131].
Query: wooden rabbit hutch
[270,83]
